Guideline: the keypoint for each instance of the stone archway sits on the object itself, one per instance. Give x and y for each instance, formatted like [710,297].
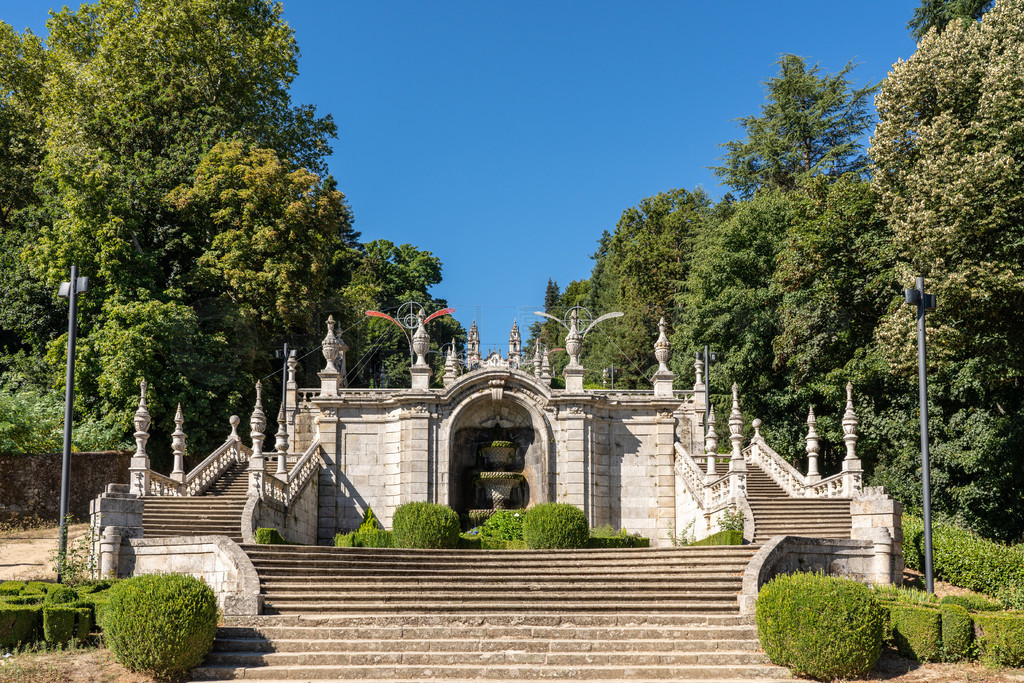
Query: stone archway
[483,417]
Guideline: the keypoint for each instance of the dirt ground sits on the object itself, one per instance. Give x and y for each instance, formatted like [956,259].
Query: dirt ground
[91,665]
[27,555]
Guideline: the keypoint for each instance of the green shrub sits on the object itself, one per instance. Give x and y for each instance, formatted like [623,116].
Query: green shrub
[96,586]
[61,596]
[972,603]
[732,520]
[11,588]
[370,538]
[1012,596]
[84,623]
[957,633]
[480,542]
[506,525]
[161,624]
[555,525]
[1001,638]
[965,559]
[19,624]
[627,541]
[820,626]
[29,599]
[58,624]
[916,631]
[425,525]
[722,538]
[908,596]
[38,587]
[100,604]
[370,521]
[269,536]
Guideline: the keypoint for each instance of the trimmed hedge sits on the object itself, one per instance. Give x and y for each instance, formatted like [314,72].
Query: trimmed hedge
[269,536]
[916,631]
[162,624]
[425,525]
[369,538]
[972,603]
[554,526]
[967,560]
[627,541]
[722,538]
[957,633]
[1001,638]
[19,624]
[482,542]
[58,624]
[61,596]
[820,626]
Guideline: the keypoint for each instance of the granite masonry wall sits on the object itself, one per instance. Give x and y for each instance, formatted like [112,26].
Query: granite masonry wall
[30,484]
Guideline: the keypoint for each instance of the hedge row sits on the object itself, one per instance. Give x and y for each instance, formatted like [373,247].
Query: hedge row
[967,560]
[33,612]
[722,538]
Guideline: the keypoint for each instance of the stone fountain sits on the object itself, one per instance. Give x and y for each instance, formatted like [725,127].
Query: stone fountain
[499,481]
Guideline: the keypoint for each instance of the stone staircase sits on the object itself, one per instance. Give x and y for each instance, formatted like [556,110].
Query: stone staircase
[381,614]
[217,511]
[777,513]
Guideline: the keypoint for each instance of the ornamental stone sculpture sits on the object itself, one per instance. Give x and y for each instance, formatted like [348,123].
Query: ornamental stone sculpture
[663,352]
[334,349]
[257,423]
[139,467]
[736,426]
[281,443]
[178,447]
[330,347]
[537,362]
[573,340]
[852,471]
[813,447]
[711,444]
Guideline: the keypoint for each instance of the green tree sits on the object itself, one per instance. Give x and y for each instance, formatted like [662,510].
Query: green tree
[811,124]
[947,150]
[938,14]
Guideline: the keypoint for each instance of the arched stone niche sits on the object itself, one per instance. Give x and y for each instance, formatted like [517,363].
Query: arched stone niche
[483,419]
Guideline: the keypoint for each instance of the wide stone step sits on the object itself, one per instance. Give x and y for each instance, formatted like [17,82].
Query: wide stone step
[493,588]
[494,644]
[427,606]
[502,671]
[591,581]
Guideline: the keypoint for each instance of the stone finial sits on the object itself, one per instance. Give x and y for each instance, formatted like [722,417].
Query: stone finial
[662,347]
[258,422]
[812,447]
[293,364]
[234,421]
[281,443]
[736,425]
[545,364]
[850,422]
[537,362]
[331,347]
[756,424]
[451,365]
[711,442]
[178,446]
[473,347]
[698,370]
[142,421]
[420,339]
[574,340]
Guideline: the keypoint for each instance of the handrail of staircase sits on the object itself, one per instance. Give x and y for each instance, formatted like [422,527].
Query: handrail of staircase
[285,490]
[712,494]
[209,470]
[789,478]
[162,485]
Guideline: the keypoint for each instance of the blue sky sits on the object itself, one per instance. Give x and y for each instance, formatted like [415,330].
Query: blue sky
[504,137]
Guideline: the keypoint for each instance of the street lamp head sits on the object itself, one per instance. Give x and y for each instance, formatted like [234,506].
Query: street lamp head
[65,287]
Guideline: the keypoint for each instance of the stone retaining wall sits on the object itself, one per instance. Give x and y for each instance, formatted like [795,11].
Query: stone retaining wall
[30,484]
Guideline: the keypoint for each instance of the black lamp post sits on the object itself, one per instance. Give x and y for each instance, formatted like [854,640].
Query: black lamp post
[69,290]
[924,302]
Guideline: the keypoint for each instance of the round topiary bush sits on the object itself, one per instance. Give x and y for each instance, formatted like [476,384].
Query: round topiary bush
[162,624]
[824,627]
[555,525]
[425,525]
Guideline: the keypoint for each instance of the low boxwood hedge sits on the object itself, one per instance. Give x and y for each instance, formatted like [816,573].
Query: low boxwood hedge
[722,538]
[269,536]
[425,525]
[555,525]
[972,603]
[58,624]
[368,538]
[19,624]
[627,541]
[916,631]
[824,627]
[957,633]
[1001,638]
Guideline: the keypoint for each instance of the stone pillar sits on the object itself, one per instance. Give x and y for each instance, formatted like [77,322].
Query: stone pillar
[257,423]
[711,446]
[812,448]
[700,388]
[852,471]
[114,516]
[178,447]
[329,434]
[737,465]
[878,518]
[414,455]
[291,397]
[333,349]
[572,458]
[138,470]
[665,487]
[662,352]
[281,444]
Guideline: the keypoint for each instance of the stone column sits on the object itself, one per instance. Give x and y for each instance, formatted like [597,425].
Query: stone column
[572,457]
[878,518]
[414,454]
[711,446]
[700,388]
[737,465]
[257,423]
[114,516]
[178,447]
[281,444]
[291,408]
[852,470]
[813,448]
[329,434]
[665,510]
[662,352]
[138,470]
